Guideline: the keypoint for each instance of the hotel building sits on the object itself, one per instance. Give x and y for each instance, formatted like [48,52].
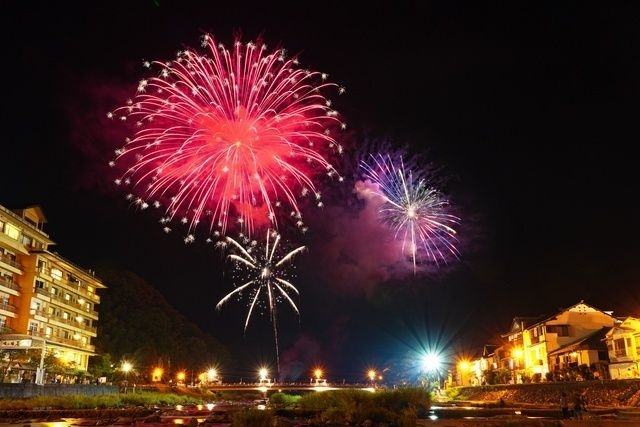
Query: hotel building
[46,301]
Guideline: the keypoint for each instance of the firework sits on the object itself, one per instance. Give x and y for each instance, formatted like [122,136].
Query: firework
[227,137]
[413,208]
[267,277]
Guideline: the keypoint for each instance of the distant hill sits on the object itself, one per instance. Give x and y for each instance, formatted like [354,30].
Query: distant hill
[136,323]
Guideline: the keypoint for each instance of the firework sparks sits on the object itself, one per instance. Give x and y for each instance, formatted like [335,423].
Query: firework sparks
[228,137]
[414,209]
[267,277]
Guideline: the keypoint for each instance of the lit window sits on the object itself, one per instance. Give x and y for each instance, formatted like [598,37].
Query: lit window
[56,274]
[12,231]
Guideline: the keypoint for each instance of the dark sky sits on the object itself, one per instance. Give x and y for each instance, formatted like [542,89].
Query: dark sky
[530,108]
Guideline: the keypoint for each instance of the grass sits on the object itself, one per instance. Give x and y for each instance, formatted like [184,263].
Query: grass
[74,401]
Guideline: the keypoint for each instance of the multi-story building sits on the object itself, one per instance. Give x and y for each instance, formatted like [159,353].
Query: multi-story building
[46,301]
[554,344]
[623,345]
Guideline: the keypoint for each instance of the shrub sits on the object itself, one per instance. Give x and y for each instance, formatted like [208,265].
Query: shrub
[252,418]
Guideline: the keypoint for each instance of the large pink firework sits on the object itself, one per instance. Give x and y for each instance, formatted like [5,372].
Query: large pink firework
[233,137]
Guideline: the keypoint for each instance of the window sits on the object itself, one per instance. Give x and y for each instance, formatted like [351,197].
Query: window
[40,284]
[65,315]
[12,231]
[56,274]
[618,346]
[561,330]
[48,331]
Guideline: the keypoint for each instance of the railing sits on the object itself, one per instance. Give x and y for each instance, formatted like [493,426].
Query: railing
[5,330]
[7,283]
[620,354]
[8,307]
[74,323]
[60,340]
[69,285]
[8,260]
[74,305]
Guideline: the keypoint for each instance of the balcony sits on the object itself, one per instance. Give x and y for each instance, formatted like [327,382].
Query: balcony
[5,306]
[8,283]
[74,323]
[11,262]
[74,287]
[619,356]
[65,341]
[5,330]
[74,305]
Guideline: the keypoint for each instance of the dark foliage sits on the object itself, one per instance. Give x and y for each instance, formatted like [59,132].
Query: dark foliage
[138,324]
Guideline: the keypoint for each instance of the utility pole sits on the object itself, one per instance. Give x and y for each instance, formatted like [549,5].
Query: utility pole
[40,370]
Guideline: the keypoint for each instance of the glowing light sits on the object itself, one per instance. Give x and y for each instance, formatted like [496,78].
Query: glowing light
[157,374]
[413,208]
[263,373]
[227,136]
[265,272]
[431,362]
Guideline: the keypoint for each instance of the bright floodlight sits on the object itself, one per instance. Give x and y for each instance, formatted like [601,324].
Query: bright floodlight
[431,362]
[263,372]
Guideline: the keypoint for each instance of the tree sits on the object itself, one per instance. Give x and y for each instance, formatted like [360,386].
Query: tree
[136,321]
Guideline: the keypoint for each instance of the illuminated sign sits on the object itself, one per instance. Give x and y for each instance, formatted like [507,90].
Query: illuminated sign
[15,344]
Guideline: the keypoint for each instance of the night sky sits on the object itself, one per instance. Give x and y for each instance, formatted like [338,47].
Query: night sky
[529,108]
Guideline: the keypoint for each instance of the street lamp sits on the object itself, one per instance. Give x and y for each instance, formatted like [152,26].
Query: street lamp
[126,367]
[516,355]
[463,368]
[372,376]
[212,376]
[157,374]
[431,364]
[263,374]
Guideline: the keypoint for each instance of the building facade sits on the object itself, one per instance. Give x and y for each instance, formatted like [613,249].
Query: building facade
[46,301]
[623,345]
[553,347]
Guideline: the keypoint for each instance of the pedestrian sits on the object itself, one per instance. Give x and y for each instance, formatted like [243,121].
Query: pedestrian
[564,405]
[577,406]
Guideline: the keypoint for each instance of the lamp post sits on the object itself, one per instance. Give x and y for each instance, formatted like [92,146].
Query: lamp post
[431,364]
[126,367]
[463,369]
[372,377]
[516,355]
[318,374]
[263,373]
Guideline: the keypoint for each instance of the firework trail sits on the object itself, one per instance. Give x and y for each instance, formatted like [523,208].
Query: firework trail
[267,278]
[413,208]
[228,137]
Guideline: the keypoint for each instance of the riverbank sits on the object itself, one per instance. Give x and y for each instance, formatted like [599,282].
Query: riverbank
[598,394]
